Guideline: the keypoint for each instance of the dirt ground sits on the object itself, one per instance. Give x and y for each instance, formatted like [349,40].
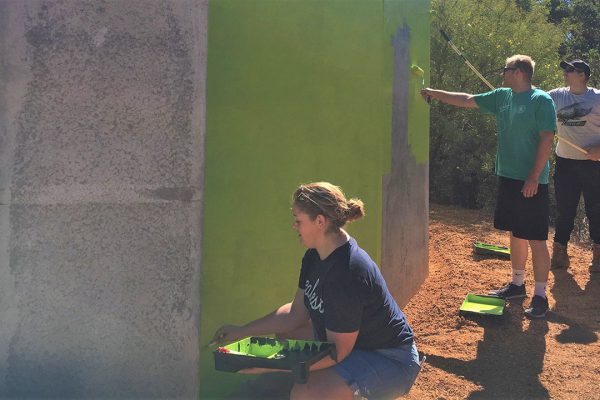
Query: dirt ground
[509,357]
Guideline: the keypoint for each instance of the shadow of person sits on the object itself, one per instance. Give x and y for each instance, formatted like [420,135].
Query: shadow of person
[509,359]
[592,289]
[593,285]
[574,333]
[574,307]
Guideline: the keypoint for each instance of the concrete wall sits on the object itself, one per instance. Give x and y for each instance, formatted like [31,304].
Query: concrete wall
[101,152]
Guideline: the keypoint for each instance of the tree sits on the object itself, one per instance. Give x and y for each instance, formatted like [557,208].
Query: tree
[580,22]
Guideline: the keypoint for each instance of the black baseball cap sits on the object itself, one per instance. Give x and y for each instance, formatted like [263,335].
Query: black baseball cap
[579,65]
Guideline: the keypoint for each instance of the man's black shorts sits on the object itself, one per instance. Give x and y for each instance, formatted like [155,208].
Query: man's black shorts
[526,218]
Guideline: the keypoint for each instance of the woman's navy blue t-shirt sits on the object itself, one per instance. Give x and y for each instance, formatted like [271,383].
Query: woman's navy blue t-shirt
[346,293]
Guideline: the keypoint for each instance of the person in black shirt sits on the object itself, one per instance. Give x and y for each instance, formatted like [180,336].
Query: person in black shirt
[341,298]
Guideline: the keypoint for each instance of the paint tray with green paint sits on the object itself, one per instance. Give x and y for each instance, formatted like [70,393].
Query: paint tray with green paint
[263,352]
[491,250]
[483,305]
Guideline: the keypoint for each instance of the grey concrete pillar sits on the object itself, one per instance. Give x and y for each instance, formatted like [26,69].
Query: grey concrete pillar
[101,151]
[405,236]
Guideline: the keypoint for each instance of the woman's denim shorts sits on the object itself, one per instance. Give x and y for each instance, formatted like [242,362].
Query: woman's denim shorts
[380,374]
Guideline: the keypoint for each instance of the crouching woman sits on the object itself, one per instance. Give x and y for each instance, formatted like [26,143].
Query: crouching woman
[341,298]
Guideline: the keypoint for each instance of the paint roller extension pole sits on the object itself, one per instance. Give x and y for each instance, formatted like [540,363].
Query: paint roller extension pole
[445,35]
[465,59]
[584,151]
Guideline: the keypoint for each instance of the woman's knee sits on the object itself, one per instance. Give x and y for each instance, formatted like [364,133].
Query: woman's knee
[324,384]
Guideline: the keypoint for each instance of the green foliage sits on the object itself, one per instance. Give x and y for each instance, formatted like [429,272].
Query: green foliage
[580,22]
[463,142]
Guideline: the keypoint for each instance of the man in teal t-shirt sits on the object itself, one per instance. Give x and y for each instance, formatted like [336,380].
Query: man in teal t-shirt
[525,123]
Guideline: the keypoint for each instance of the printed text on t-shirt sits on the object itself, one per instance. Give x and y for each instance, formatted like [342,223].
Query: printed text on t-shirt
[316,303]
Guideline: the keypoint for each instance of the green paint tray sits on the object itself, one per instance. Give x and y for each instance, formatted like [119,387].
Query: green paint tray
[483,305]
[263,352]
[491,250]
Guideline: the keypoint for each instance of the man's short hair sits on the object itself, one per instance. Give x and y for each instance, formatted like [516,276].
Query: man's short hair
[524,63]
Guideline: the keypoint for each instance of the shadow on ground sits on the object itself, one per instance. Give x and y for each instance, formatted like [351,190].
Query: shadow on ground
[569,297]
[509,358]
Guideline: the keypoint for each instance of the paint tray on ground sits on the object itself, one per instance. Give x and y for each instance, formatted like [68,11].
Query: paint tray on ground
[263,352]
[491,250]
[483,305]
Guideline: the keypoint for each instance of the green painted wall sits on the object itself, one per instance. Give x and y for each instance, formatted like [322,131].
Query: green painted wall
[298,91]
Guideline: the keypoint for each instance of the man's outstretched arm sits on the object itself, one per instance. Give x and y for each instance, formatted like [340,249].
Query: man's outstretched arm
[464,100]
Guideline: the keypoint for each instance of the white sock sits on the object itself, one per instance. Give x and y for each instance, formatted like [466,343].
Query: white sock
[540,289]
[518,277]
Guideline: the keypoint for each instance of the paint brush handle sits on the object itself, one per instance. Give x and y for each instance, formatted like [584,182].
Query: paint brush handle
[210,345]
[457,51]
[445,36]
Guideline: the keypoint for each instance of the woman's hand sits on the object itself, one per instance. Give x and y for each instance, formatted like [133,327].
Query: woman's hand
[286,318]
[228,334]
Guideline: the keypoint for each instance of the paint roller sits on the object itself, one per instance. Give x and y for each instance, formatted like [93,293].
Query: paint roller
[418,72]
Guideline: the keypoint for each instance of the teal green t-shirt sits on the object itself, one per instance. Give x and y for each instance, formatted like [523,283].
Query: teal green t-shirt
[520,117]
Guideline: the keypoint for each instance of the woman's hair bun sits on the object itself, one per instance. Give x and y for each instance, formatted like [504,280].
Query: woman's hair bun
[356,209]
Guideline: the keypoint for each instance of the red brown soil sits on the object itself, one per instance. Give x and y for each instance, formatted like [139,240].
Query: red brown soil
[509,357]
